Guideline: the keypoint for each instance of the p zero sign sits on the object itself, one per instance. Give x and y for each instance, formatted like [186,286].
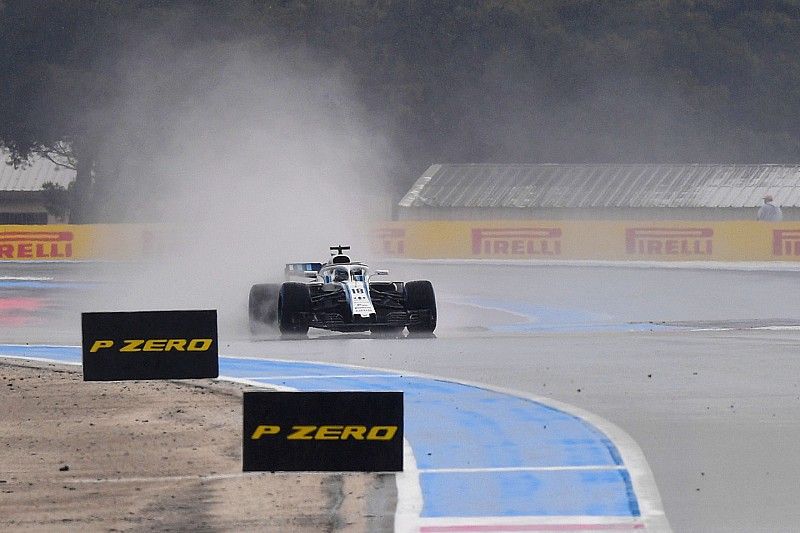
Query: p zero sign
[323,431]
[150,345]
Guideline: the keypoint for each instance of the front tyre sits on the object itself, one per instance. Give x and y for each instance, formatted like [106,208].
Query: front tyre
[262,306]
[294,303]
[419,297]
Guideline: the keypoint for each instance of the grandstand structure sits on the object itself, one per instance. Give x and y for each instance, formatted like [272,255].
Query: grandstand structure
[600,192]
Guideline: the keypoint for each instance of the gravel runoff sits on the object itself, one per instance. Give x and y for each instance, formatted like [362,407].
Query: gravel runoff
[155,455]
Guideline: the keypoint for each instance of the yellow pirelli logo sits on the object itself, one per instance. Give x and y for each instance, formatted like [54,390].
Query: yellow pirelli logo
[329,432]
[154,345]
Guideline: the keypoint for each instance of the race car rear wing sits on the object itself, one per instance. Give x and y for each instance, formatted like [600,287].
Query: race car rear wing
[301,270]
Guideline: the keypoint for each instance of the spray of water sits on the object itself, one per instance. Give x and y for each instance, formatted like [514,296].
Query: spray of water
[260,158]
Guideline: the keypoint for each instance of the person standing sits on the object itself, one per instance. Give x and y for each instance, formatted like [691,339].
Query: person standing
[769,212]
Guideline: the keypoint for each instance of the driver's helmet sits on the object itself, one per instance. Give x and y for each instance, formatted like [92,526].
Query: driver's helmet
[340,274]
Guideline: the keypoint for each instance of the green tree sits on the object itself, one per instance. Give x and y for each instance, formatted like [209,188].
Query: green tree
[467,81]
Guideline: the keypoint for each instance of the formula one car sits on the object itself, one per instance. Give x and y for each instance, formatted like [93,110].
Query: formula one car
[342,295]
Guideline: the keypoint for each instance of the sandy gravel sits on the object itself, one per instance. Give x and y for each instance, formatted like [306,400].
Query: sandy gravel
[155,455]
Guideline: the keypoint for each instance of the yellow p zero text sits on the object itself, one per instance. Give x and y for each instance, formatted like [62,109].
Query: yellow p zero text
[329,432]
[155,345]
[265,430]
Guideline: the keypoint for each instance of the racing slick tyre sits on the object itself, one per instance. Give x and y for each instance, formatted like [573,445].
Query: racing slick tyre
[419,296]
[262,306]
[294,301]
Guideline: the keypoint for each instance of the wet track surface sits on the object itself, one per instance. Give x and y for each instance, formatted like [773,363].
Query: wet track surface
[670,356]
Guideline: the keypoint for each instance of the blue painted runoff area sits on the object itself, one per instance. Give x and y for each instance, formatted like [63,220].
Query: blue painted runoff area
[479,452]
[556,319]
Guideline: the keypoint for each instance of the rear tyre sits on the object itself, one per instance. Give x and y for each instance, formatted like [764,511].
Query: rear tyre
[294,302]
[419,296]
[262,306]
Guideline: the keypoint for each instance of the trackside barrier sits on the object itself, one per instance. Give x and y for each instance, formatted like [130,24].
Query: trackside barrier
[438,239]
[72,242]
[592,240]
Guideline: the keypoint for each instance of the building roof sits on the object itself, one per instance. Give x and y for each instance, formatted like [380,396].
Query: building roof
[595,186]
[32,176]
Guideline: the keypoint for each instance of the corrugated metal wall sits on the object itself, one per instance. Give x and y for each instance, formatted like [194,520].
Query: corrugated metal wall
[602,191]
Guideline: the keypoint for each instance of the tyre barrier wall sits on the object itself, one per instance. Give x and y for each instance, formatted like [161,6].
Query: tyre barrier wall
[592,240]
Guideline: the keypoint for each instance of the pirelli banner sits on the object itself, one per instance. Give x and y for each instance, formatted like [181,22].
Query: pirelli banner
[512,239]
[323,431]
[64,242]
[599,240]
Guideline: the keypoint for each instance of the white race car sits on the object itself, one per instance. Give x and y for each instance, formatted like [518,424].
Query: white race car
[342,295]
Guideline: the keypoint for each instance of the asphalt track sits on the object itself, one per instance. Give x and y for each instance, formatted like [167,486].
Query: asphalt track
[698,366]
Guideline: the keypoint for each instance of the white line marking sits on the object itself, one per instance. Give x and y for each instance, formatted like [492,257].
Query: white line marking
[258,384]
[25,278]
[520,469]
[409,493]
[332,376]
[531,520]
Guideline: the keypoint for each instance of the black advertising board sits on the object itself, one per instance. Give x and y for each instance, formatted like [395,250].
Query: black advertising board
[150,345]
[323,431]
